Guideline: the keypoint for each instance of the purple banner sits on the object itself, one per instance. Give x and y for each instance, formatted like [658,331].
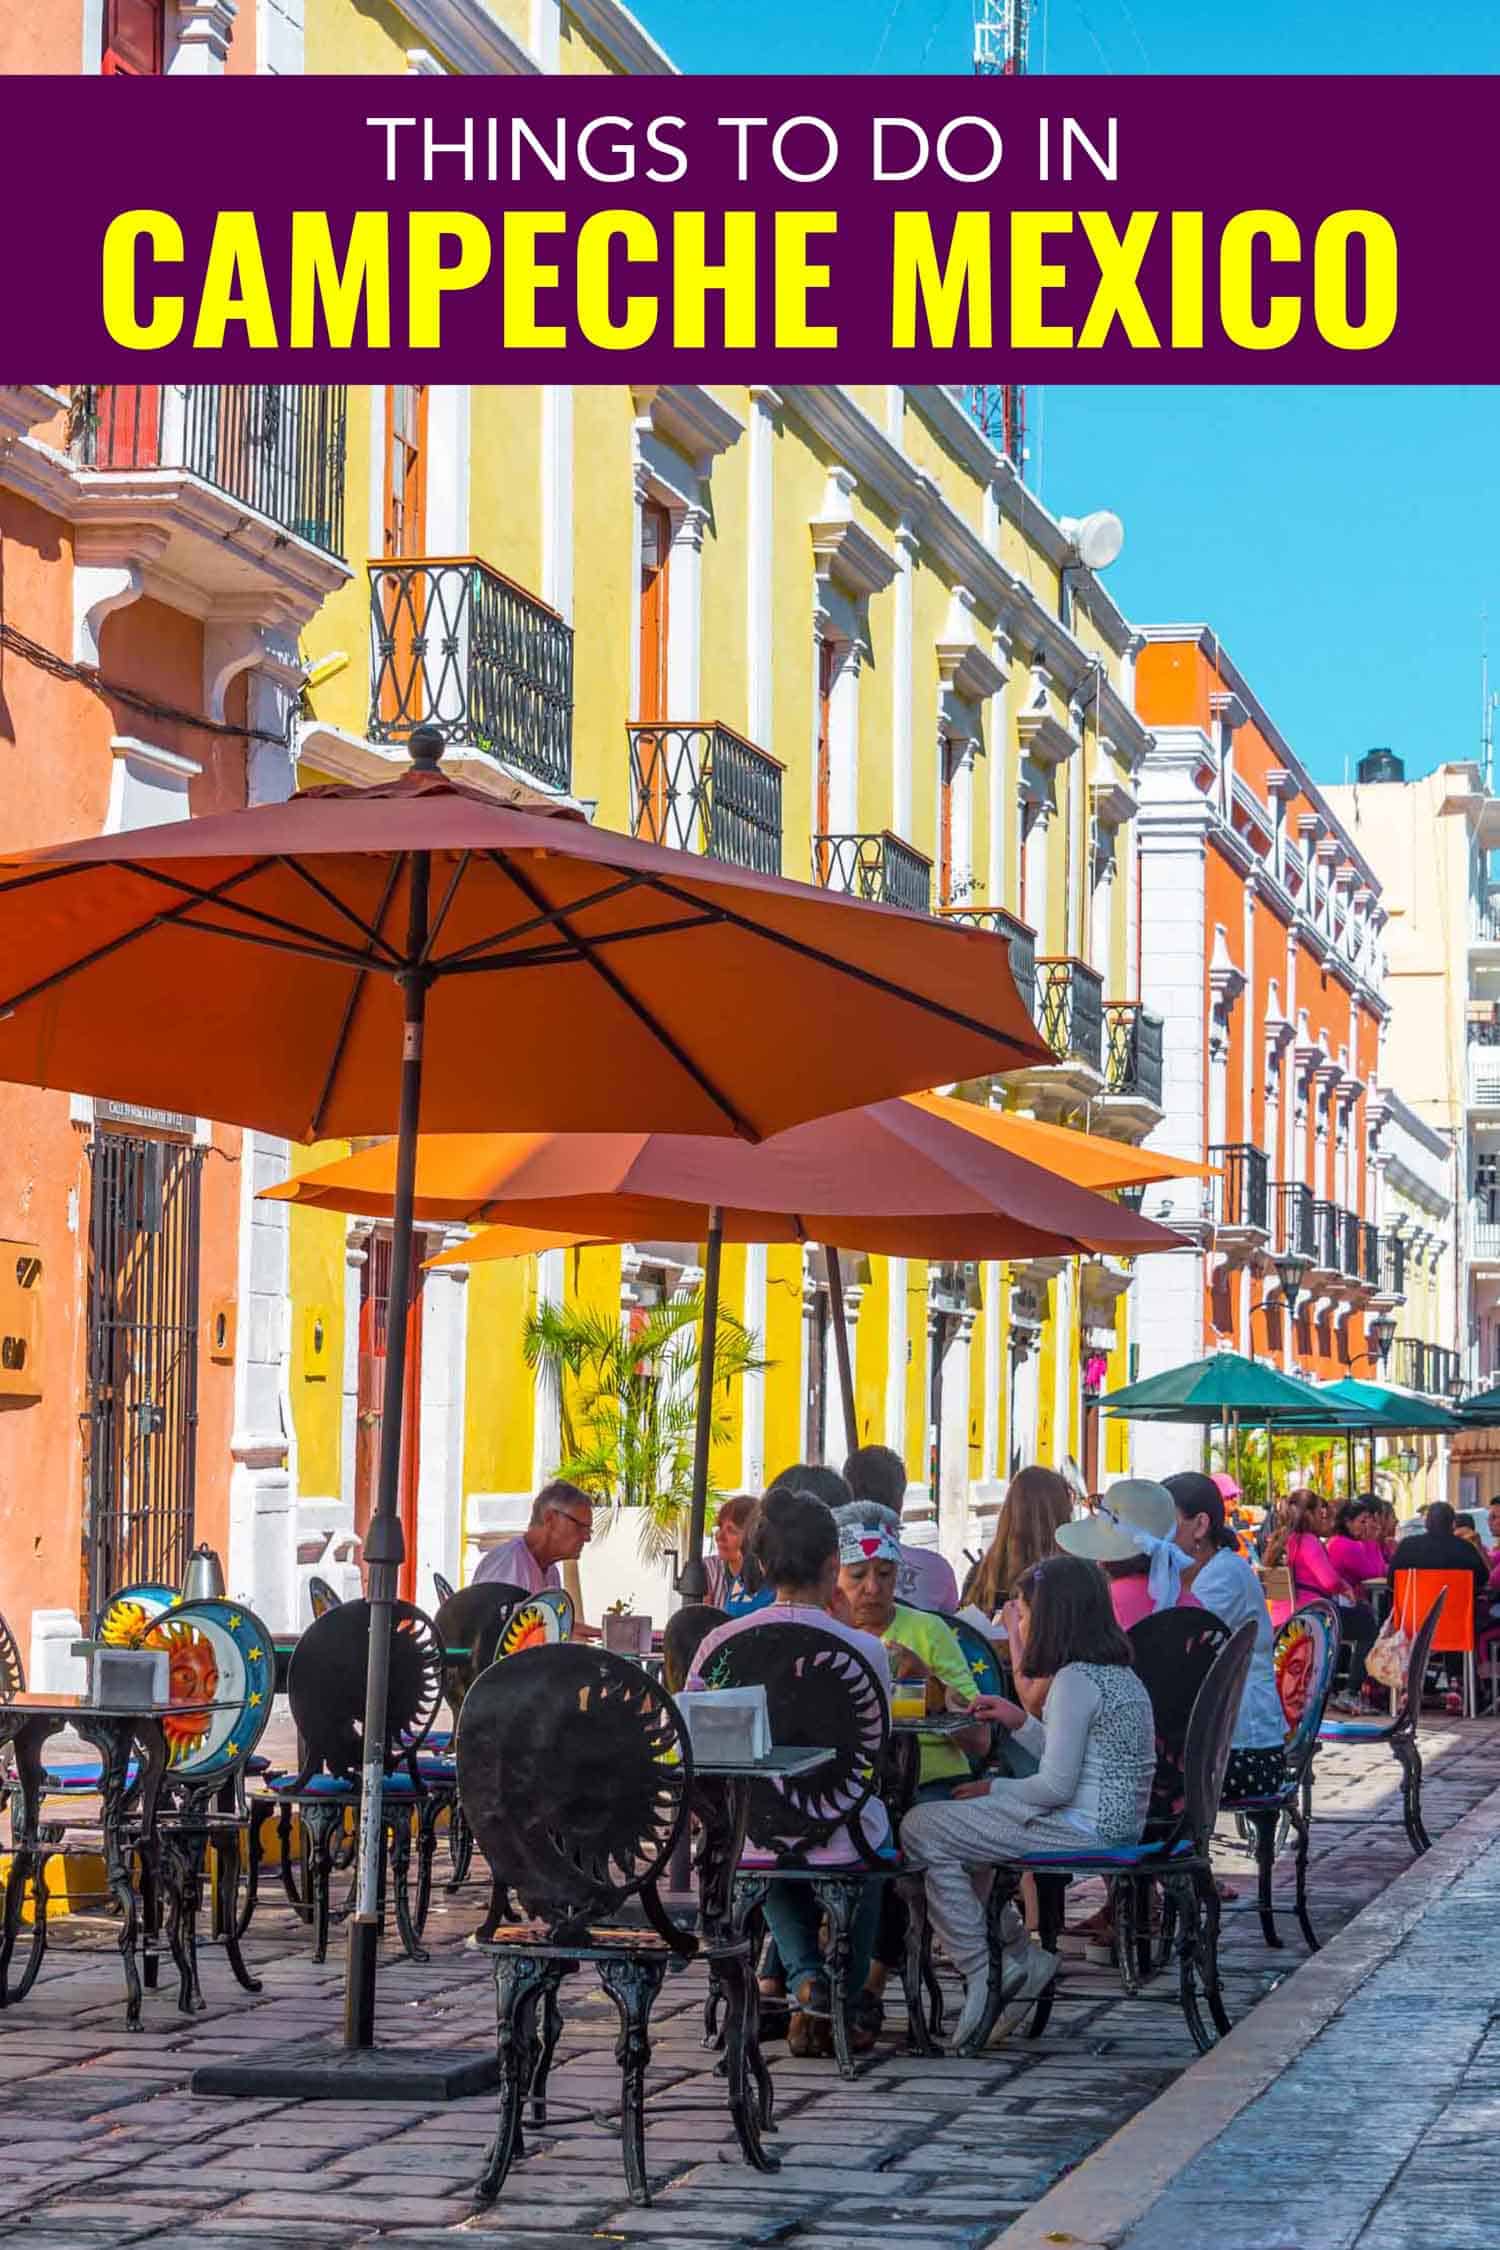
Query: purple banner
[864,229]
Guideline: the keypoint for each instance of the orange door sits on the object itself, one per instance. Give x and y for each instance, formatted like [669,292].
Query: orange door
[656,559]
[404,536]
[823,778]
[946,762]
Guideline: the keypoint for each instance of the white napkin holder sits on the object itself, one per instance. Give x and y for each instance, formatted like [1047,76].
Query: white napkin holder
[126,1679]
[727,1726]
[627,1635]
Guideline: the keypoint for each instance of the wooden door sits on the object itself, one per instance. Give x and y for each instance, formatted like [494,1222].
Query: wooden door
[403,536]
[654,811]
[134,38]
[947,762]
[374,1301]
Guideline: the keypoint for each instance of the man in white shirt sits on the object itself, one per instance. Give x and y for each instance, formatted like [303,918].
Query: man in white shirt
[561,1526]
[924,1578]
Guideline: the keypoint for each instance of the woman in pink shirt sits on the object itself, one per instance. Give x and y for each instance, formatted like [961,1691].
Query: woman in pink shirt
[1314,1574]
[1355,1550]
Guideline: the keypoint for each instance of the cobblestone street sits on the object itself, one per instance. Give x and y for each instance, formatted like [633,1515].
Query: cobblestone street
[105,2145]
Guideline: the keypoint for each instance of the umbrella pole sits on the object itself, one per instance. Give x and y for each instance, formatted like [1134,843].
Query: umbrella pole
[840,1327]
[692,1580]
[384,1544]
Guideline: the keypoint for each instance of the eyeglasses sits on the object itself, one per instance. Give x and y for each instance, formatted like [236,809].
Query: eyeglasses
[579,1523]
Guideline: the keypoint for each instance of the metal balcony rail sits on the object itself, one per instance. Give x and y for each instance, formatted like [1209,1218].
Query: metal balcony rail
[1430,1368]
[1244,1186]
[1295,1233]
[278,447]
[1369,1254]
[457,645]
[1392,1265]
[1350,1262]
[1328,1246]
[1133,1050]
[1072,1011]
[1485,921]
[1020,939]
[879,866]
[1484,1224]
[701,787]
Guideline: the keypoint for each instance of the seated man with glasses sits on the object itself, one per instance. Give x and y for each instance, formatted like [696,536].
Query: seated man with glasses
[561,1526]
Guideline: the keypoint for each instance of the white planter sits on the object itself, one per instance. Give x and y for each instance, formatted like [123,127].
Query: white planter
[612,1569]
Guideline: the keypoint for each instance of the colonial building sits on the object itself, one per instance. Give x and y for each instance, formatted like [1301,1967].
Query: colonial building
[1263,947]
[1432,841]
[825,632]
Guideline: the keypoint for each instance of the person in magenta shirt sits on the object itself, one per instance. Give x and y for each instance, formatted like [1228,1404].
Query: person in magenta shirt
[1315,1575]
[1354,1549]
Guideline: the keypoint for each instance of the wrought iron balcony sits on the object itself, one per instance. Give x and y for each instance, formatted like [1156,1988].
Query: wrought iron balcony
[1350,1259]
[278,447]
[1295,1233]
[703,788]
[457,645]
[1328,1238]
[1072,1011]
[880,866]
[1369,1255]
[1484,928]
[1392,1265]
[1020,939]
[1244,1187]
[1430,1368]
[1133,1054]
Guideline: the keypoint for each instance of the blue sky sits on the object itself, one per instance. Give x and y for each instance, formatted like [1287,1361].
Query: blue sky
[1341,542]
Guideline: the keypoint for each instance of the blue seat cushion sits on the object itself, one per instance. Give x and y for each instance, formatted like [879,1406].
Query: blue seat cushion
[330,1785]
[439,1770]
[1273,1803]
[1353,1730]
[1123,1856]
[79,1773]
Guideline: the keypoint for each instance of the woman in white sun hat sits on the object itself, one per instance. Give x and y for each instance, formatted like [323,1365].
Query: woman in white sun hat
[1129,1535]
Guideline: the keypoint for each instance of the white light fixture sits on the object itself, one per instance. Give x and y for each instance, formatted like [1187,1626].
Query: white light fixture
[1097,540]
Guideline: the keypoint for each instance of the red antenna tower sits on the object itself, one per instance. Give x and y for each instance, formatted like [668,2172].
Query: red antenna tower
[1002,31]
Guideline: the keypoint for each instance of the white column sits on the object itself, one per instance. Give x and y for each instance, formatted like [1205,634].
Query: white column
[953,1500]
[557,487]
[440,1491]
[198,33]
[843,728]
[546,34]
[280,47]
[760,575]
[901,674]
[685,612]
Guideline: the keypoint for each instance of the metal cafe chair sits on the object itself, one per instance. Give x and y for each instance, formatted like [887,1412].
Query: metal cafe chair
[326,1690]
[492,1619]
[820,1692]
[1399,1737]
[1177,1859]
[576,1773]
[1306,1658]
[322,1597]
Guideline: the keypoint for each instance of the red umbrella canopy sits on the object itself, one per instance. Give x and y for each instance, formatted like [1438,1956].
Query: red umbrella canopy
[894,1180]
[249,965]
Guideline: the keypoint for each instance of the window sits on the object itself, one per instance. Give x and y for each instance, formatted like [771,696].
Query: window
[823,773]
[134,38]
[950,758]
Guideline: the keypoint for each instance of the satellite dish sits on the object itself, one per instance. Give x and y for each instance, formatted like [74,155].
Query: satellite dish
[1097,540]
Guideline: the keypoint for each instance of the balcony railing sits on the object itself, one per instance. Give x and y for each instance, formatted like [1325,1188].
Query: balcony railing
[1328,1242]
[278,447]
[1020,940]
[455,644]
[1369,1255]
[1484,1225]
[1133,1051]
[1484,922]
[1392,1265]
[1072,1011]
[881,867]
[1430,1368]
[1244,1186]
[703,788]
[1350,1256]
[1295,1235]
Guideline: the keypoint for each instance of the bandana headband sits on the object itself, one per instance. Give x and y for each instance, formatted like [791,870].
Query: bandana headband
[862,1543]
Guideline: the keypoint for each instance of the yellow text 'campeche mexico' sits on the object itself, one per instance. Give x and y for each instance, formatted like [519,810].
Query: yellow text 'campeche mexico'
[555,284]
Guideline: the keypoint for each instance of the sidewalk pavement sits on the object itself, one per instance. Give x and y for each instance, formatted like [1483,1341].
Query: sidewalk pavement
[104,2145]
[1355,2109]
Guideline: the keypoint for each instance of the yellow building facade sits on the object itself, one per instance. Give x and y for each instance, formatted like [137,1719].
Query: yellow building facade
[823,631]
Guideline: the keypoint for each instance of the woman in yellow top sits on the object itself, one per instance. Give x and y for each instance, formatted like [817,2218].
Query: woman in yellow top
[923,1650]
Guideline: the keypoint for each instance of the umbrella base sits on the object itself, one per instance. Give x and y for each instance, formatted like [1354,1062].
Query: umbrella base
[417,2075]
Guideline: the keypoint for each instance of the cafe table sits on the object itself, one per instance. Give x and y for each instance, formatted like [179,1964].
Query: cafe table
[128,1806]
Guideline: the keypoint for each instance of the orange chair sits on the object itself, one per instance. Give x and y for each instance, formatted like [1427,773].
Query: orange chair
[1416,1591]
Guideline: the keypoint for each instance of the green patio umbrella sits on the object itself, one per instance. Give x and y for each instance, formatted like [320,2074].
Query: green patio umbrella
[1386,1410]
[1227,1387]
[1482,1411]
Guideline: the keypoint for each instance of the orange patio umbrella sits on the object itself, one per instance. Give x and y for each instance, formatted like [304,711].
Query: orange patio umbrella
[1093,1160]
[897,1179]
[420,953]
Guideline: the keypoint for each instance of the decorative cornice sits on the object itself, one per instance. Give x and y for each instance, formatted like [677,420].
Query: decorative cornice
[842,549]
[24,405]
[1113,804]
[689,417]
[622,38]
[469,39]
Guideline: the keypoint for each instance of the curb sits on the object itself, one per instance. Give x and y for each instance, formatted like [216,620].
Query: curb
[1097,2205]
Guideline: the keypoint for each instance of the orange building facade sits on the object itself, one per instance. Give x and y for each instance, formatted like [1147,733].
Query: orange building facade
[1262,949]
